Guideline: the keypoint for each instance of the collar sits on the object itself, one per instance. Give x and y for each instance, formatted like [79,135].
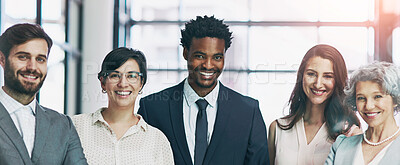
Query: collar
[98,117]
[191,96]
[12,105]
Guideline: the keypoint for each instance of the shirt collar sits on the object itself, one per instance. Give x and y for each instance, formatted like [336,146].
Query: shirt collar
[141,124]
[191,96]
[98,117]
[12,105]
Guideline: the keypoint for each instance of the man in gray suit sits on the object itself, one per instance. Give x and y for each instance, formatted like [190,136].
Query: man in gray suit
[30,133]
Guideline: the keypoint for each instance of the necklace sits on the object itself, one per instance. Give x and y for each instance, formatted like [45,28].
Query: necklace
[383,141]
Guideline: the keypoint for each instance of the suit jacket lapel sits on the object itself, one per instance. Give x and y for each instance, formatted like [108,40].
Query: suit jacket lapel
[42,131]
[176,111]
[8,126]
[349,149]
[224,111]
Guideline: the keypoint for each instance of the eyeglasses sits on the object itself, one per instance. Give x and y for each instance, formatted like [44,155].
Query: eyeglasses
[115,76]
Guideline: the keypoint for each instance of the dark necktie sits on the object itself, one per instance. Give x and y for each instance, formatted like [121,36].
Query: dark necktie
[201,133]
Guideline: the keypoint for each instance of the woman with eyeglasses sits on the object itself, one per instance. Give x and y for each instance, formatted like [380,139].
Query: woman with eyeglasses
[115,134]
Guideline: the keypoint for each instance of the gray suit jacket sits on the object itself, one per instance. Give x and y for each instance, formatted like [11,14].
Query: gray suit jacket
[56,140]
[344,150]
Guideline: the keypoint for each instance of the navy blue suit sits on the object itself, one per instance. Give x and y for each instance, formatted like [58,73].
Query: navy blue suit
[239,135]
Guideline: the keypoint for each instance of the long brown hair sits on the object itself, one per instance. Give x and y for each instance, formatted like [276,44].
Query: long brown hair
[336,116]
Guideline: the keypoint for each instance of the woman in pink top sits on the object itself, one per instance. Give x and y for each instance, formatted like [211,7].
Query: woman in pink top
[316,115]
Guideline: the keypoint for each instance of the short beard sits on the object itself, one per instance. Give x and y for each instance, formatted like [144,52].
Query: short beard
[16,86]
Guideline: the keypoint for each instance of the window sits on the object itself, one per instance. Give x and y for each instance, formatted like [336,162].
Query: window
[51,14]
[270,40]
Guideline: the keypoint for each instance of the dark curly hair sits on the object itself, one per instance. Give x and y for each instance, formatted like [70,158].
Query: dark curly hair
[205,27]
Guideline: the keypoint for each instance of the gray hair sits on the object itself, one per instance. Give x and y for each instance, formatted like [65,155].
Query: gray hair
[387,75]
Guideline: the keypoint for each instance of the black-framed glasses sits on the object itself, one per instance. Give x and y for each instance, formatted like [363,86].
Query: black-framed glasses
[115,76]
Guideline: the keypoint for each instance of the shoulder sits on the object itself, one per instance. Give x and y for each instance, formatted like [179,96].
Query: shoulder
[55,118]
[230,94]
[340,139]
[343,140]
[54,115]
[156,133]
[285,121]
[272,130]
[272,126]
[81,118]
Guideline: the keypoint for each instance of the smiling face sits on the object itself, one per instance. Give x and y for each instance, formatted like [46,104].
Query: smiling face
[25,69]
[374,106]
[318,80]
[205,59]
[123,93]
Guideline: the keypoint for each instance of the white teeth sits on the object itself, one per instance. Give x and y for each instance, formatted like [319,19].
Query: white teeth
[29,76]
[317,92]
[123,93]
[371,114]
[207,74]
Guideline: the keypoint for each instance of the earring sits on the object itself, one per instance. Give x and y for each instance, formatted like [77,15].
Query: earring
[103,91]
[354,107]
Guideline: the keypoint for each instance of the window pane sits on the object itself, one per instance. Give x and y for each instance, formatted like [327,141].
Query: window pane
[237,10]
[254,47]
[280,48]
[235,80]
[237,55]
[150,10]
[20,9]
[52,92]
[352,43]
[55,31]
[284,10]
[396,46]
[273,91]
[345,10]
[159,80]
[159,43]
[52,9]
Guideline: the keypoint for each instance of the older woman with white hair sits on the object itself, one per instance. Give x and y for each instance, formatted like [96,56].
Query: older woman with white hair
[375,93]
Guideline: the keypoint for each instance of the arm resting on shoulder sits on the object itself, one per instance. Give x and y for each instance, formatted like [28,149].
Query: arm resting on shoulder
[354,130]
[74,155]
[257,151]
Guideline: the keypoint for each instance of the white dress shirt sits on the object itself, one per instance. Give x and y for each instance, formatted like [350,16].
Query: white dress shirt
[141,143]
[190,110]
[23,117]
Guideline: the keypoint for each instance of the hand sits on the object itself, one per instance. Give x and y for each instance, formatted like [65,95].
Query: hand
[354,130]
